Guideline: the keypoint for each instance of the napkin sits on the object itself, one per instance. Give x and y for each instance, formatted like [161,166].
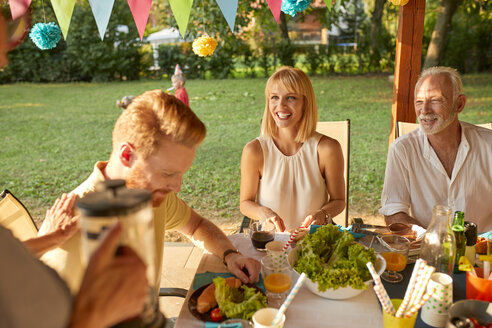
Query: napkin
[487,234]
[205,278]
[314,227]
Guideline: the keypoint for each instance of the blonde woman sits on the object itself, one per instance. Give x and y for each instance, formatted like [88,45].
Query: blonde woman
[291,175]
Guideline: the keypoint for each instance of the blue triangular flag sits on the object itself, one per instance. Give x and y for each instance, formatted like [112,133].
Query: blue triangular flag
[102,11]
[229,10]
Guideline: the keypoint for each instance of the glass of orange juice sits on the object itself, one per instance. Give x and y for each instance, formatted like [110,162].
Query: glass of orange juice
[394,249]
[276,278]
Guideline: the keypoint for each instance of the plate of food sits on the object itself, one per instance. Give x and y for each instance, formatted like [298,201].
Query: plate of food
[226,299]
[335,265]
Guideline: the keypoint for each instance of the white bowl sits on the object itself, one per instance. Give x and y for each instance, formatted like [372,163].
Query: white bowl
[341,293]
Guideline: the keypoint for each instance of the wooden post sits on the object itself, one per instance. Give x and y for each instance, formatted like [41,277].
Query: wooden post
[407,62]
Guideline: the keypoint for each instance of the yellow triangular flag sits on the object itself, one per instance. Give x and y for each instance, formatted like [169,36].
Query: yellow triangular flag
[63,11]
[181,10]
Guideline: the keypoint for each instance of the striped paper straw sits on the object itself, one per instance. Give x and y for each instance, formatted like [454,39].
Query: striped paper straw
[385,302]
[422,285]
[291,239]
[419,266]
[417,307]
[383,295]
[289,299]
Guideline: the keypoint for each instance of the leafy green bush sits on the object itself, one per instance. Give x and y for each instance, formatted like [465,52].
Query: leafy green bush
[313,58]
[264,55]
[83,56]
[286,52]
[169,56]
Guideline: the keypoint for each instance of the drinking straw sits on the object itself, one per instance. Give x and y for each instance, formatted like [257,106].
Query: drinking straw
[385,302]
[383,295]
[421,285]
[419,265]
[417,307]
[289,299]
[486,269]
[291,239]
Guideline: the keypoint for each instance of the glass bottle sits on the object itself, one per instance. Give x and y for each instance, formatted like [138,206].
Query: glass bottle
[438,243]
[458,227]
[471,240]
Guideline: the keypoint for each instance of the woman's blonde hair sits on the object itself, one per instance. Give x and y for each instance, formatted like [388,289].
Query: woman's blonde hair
[293,80]
[154,115]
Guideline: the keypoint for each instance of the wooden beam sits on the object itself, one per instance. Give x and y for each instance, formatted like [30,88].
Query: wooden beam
[407,62]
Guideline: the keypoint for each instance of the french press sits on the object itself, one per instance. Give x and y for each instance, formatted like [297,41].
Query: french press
[113,202]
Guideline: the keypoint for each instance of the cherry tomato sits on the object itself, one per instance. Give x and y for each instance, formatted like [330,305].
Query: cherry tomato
[216,315]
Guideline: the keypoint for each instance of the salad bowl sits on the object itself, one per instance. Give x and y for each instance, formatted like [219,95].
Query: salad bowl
[340,293]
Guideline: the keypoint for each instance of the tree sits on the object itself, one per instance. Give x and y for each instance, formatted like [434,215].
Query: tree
[446,10]
[376,22]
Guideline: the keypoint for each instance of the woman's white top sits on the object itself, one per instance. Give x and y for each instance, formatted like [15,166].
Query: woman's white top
[292,186]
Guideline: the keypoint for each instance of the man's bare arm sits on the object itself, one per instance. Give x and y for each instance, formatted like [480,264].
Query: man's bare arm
[400,217]
[207,235]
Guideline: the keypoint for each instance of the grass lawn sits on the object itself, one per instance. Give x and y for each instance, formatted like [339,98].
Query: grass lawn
[53,133]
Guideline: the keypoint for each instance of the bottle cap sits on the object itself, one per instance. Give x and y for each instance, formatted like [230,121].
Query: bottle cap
[471,233]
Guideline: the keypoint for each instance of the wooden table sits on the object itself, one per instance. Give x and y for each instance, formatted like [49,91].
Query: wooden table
[307,310]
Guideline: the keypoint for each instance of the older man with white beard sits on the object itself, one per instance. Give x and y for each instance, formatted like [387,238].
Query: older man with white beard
[444,162]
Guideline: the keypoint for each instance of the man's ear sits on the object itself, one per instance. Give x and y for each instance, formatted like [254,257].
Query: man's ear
[126,154]
[461,102]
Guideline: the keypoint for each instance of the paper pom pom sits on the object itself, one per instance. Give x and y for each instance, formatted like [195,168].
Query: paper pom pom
[204,46]
[399,2]
[45,35]
[292,7]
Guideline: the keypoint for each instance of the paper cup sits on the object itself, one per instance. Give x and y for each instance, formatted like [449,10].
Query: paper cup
[478,288]
[274,250]
[390,321]
[435,310]
[264,317]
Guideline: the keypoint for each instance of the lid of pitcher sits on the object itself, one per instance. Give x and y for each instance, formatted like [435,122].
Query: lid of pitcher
[113,198]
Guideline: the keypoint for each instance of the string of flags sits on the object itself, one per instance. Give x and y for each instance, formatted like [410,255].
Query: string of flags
[46,35]
[140,10]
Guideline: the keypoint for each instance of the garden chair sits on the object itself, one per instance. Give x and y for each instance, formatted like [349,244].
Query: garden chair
[405,127]
[15,216]
[340,131]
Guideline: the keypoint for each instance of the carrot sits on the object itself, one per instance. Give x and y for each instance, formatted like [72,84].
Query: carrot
[206,300]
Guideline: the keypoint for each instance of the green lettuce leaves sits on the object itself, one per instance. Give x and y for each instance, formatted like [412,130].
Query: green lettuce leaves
[331,258]
[238,304]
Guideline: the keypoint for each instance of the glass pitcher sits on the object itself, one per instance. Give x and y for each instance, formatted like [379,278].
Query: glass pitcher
[113,202]
[438,243]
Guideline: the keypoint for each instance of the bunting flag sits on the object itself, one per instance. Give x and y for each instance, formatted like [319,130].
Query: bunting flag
[229,10]
[181,10]
[275,6]
[18,7]
[63,11]
[328,4]
[102,11]
[140,10]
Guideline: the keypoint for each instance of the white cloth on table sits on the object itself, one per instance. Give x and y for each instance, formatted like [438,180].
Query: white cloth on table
[307,310]
[415,179]
[292,186]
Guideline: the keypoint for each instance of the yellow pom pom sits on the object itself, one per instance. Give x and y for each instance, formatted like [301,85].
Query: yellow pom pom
[204,46]
[399,2]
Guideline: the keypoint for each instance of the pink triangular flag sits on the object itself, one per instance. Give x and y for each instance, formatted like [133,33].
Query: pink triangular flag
[275,6]
[18,7]
[140,10]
